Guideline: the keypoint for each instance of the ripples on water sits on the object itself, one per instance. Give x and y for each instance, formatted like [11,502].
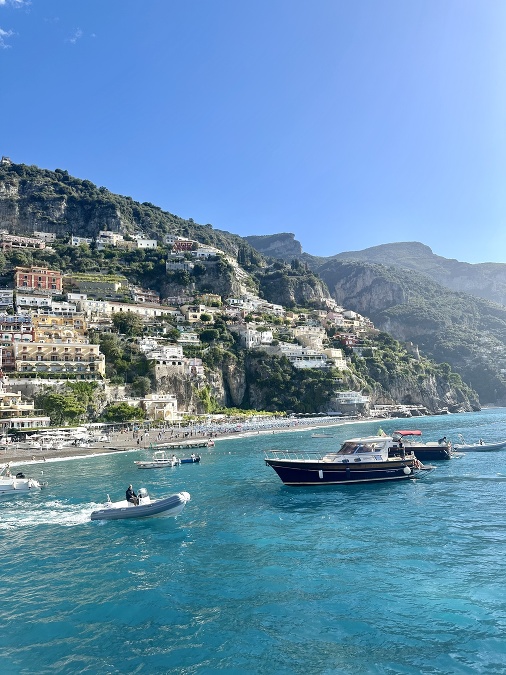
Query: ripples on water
[255,577]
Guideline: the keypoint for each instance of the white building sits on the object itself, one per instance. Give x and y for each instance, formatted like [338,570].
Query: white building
[106,238]
[188,339]
[145,243]
[6,298]
[161,407]
[25,301]
[251,337]
[302,357]
[77,241]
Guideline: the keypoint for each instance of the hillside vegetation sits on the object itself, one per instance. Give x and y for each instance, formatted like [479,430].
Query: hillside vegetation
[53,201]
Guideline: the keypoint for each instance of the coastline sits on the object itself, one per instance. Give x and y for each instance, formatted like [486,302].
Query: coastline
[127,442]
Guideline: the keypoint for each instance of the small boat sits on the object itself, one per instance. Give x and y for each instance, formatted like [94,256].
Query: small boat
[478,447]
[160,460]
[190,460]
[17,484]
[358,460]
[168,506]
[187,445]
[412,440]
[322,436]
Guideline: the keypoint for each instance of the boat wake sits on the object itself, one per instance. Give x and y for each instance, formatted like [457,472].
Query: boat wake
[48,513]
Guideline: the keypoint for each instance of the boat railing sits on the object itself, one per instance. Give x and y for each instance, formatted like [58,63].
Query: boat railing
[307,455]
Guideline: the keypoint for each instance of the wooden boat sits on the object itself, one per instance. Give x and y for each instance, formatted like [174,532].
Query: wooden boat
[358,460]
[160,460]
[168,506]
[424,451]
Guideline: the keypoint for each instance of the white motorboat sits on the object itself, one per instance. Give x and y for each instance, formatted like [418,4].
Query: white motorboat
[17,483]
[159,460]
[322,436]
[168,506]
[481,446]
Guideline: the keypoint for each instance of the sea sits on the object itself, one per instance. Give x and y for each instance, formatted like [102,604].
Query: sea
[255,577]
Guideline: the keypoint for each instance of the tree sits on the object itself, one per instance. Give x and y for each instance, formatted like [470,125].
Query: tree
[141,386]
[206,318]
[122,412]
[61,408]
[128,323]
[209,335]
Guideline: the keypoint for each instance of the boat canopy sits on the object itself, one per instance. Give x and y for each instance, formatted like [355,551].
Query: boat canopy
[355,446]
[408,433]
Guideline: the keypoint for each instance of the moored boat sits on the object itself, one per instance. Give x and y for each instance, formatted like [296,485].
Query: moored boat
[481,446]
[322,436]
[187,445]
[159,460]
[358,460]
[424,451]
[168,506]
[190,460]
[17,483]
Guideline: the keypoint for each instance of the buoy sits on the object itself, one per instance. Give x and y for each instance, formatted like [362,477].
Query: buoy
[407,470]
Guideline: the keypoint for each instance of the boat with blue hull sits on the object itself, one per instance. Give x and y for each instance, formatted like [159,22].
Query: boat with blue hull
[358,460]
[193,459]
[423,450]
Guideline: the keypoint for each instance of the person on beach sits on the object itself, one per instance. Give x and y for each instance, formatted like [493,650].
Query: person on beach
[131,496]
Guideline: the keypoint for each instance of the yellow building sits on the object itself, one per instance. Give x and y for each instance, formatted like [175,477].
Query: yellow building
[68,358]
[49,328]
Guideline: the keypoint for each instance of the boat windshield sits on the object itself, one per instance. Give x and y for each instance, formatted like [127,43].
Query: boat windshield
[353,448]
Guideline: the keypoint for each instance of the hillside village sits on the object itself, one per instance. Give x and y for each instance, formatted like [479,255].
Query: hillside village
[115,311]
[47,317]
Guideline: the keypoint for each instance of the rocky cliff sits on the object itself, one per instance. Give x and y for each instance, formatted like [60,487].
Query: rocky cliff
[459,329]
[283,245]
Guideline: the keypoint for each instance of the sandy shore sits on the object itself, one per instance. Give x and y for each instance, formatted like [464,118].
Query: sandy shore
[124,442]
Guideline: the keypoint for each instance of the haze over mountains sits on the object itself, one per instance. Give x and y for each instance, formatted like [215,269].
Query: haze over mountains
[454,311]
[484,280]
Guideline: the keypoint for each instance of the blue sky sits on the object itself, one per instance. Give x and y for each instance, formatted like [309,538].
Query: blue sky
[349,123]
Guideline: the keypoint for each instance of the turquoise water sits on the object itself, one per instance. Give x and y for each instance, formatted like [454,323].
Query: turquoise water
[256,577]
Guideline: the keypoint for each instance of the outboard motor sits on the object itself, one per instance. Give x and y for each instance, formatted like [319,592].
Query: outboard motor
[143,493]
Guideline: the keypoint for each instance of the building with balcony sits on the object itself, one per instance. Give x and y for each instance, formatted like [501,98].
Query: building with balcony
[52,328]
[6,298]
[302,357]
[8,241]
[16,413]
[79,360]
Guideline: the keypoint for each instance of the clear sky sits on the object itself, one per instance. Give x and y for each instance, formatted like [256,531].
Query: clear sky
[350,123]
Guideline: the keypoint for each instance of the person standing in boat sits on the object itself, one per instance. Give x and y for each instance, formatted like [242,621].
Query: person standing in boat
[131,496]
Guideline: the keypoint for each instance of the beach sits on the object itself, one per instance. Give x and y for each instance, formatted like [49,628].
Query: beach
[154,439]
